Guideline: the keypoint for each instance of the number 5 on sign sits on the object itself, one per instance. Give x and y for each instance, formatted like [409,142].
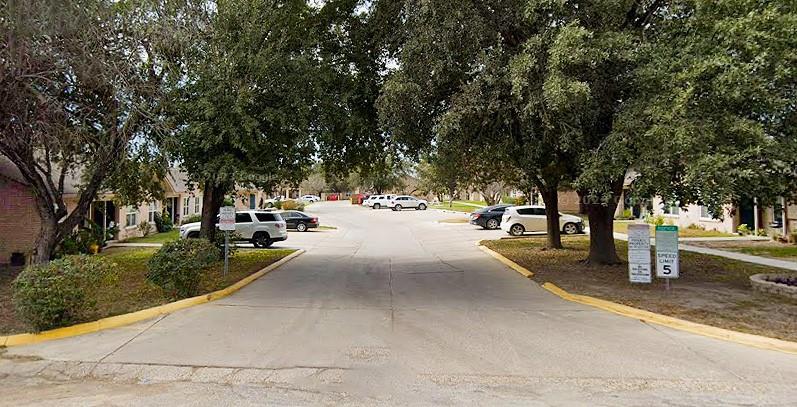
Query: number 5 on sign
[667,251]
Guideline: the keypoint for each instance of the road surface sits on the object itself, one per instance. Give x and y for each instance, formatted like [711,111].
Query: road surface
[394,308]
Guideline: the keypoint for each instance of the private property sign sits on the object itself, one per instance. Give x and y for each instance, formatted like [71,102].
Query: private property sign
[227,218]
[667,251]
[639,253]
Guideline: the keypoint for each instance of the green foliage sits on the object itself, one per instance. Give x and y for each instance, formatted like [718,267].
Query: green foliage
[178,266]
[628,214]
[291,205]
[693,226]
[62,292]
[192,219]
[278,203]
[218,241]
[743,229]
[228,202]
[163,222]
[656,220]
[144,227]
[80,241]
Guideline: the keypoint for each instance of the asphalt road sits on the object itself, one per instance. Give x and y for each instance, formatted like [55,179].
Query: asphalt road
[394,308]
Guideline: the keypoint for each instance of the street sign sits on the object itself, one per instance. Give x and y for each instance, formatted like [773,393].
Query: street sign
[227,218]
[667,251]
[639,253]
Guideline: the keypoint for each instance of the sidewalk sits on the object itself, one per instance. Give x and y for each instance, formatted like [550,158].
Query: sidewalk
[764,261]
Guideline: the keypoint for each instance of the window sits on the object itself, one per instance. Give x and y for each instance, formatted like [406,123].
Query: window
[672,209]
[252,201]
[197,201]
[705,213]
[243,218]
[265,217]
[500,209]
[538,211]
[186,205]
[132,216]
[153,209]
[525,211]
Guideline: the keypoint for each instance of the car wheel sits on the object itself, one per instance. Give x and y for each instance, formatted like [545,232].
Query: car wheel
[422,207]
[397,208]
[261,240]
[301,227]
[517,230]
[193,235]
[570,229]
[492,224]
[377,206]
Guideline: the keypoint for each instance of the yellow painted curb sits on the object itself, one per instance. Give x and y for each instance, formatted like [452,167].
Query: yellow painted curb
[142,315]
[509,263]
[757,341]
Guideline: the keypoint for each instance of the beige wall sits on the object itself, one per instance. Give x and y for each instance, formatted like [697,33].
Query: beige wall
[690,215]
[19,220]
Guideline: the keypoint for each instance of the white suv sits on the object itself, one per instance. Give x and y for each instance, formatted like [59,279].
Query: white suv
[310,198]
[261,228]
[380,201]
[531,218]
[405,201]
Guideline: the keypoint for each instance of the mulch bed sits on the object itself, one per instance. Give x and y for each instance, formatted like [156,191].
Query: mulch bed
[711,290]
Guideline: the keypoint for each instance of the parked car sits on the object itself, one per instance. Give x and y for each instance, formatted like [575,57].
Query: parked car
[310,198]
[489,217]
[380,201]
[299,220]
[531,218]
[261,228]
[405,201]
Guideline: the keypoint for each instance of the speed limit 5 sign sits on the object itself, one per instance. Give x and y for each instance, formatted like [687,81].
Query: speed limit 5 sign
[667,251]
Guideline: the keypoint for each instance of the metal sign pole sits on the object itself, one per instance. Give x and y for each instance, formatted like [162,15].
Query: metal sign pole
[226,252]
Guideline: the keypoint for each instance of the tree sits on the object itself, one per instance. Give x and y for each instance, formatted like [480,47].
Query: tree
[315,182]
[439,176]
[247,101]
[385,175]
[79,98]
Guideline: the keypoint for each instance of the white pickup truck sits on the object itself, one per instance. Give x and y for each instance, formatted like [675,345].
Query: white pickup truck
[261,228]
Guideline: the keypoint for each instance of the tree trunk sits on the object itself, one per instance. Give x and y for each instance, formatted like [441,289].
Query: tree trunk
[550,196]
[47,240]
[601,229]
[212,199]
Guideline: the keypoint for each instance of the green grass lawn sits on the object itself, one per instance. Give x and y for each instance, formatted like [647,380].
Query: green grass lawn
[134,292]
[164,237]
[480,203]
[779,252]
[711,290]
[325,227]
[622,227]
[458,207]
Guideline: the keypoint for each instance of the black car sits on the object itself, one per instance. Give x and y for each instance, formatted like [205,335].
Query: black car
[489,217]
[299,220]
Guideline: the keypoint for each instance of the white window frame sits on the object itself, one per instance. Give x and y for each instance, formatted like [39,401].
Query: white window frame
[671,209]
[131,211]
[153,209]
[197,208]
[707,214]
[186,205]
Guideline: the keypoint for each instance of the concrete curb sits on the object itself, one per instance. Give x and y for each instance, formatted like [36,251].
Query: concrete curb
[757,341]
[138,316]
[509,263]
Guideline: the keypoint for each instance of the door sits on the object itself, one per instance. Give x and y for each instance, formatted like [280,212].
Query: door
[290,219]
[412,203]
[540,220]
[243,225]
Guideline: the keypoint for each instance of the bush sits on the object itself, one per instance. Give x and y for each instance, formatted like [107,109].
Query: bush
[62,292]
[177,267]
[218,241]
[657,220]
[192,219]
[163,222]
[144,227]
[290,205]
[520,200]
[743,229]
[628,214]
[81,240]
[693,226]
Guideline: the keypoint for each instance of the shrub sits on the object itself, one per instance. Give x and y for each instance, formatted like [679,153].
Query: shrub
[144,227]
[292,205]
[177,267]
[793,237]
[743,229]
[62,292]
[693,226]
[278,203]
[520,200]
[218,241]
[628,214]
[657,220]
[192,219]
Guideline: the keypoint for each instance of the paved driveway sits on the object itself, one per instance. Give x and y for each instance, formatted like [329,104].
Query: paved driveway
[395,308]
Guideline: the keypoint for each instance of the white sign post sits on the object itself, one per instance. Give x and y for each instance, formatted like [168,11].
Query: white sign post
[227,223]
[639,253]
[667,253]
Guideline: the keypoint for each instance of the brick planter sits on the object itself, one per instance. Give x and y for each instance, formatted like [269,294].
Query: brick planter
[766,283]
